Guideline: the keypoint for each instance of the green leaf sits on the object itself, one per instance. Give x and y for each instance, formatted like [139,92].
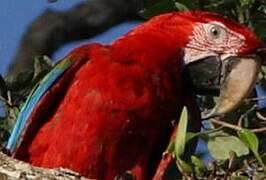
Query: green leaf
[220,145]
[198,163]
[251,141]
[42,65]
[180,140]
[238,178]
[191,135]
[232,162]
[249,138]
[171,147]
[245,3]
[181,7]
[184,167]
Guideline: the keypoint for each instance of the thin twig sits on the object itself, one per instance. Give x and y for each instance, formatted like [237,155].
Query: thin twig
[259,130]
[9,98]
[225,124]
[236,127]
[254,159]
[256,98]
[209,131]
[260,116]
[245,115]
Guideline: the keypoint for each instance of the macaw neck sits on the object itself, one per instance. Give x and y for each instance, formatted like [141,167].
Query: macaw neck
[151,48]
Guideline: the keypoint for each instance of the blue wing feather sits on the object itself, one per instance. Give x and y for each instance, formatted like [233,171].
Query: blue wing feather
[33,99]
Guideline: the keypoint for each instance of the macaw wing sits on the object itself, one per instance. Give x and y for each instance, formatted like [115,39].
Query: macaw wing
[43,99]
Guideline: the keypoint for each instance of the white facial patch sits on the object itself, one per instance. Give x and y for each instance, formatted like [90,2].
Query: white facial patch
[203,43]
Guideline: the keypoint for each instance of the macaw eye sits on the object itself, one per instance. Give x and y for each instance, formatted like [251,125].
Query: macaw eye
[215,31]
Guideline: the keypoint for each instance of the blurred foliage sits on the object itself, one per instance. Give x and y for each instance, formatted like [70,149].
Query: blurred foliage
[14,91]
[248,12]
[239,153]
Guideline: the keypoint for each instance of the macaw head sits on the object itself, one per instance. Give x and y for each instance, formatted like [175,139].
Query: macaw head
[222,55]
[218,53]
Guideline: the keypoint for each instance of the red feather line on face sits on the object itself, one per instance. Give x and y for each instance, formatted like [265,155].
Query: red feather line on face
[204,43]
[251,40]
[233,40]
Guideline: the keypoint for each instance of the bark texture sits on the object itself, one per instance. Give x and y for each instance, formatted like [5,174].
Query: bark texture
[12,169]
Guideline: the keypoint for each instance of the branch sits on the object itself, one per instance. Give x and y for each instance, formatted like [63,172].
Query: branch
[13,169]
[53,29]
[236,127]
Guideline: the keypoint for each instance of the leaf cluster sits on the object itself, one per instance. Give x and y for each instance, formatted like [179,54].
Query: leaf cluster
[236,154]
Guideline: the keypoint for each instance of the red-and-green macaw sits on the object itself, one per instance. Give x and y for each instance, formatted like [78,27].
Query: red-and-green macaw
[107,109]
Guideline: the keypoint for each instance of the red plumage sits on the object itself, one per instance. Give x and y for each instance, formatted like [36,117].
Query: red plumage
[112,110]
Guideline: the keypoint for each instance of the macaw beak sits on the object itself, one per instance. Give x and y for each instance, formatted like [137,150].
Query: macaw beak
[232,79]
